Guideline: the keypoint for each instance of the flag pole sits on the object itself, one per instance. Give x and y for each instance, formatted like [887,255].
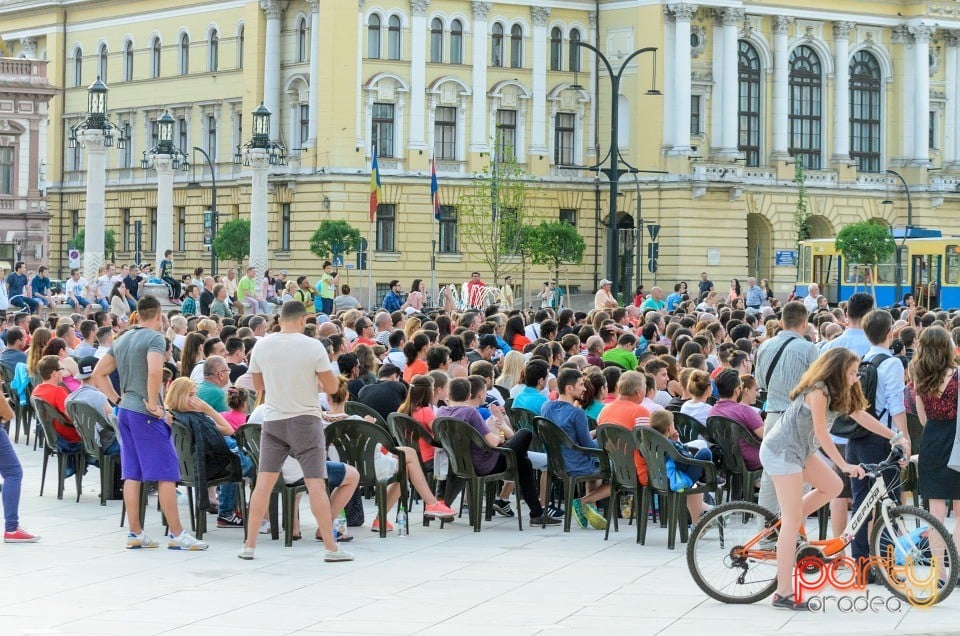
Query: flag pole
[434,205]
[370,247]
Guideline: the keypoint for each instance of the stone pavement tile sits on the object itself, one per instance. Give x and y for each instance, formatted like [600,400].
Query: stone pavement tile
[615,625]
[384,624]
[102,627]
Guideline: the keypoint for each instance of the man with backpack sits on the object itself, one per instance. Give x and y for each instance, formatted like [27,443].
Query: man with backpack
[853,337]
[882,381]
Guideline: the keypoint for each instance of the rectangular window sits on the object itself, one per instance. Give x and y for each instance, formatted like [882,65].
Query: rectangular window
[181,229]
[212,137]
[563,139]
[75,222]
[951,272]
[126,155]
[6,170]
[509,234]
[304,124]
[448,229]
[153,230]
[568,215]
[75,157]
[383,129]
[154,133]
[386,227]
[285,227]
[506,135]
[445,133]
[932,130]
[382,289]
[125,230]
[695,128]
[182,133]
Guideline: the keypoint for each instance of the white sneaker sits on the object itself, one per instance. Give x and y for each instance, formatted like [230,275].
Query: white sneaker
[264,527]
[339,555]
[137,541]
[246,554]
[186,541]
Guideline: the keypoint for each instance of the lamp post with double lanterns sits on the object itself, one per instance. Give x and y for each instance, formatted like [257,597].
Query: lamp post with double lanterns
[259,154]
[614,171]
[898,266]
[165,158]
[95,134]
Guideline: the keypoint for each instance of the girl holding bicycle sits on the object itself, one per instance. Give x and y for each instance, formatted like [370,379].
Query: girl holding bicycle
[789,453]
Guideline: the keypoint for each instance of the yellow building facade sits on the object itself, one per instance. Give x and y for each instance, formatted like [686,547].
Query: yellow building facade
[746,90]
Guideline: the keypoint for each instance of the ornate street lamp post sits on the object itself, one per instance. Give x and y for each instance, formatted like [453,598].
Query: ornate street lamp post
[165,158]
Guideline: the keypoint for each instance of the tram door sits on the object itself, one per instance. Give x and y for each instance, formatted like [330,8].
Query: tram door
[822,265]
[925,279]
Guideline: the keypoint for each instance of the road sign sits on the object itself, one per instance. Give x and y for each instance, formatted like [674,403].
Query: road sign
[338,260]
[652,265]
[73,256]
[653,250]
[785,258]
[654,231]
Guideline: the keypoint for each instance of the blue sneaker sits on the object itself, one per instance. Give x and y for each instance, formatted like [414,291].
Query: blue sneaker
[579,513]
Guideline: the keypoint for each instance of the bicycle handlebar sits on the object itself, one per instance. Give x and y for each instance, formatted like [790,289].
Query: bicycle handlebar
[896,454]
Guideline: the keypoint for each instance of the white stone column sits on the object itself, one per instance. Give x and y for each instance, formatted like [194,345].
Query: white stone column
[478,127]
[93,226]
[314,71]
[163,164]
[681,77]
[359,110]
[418,73]
[538,136]
[921,96]
[592,125]
[259,166]
[781,124]
[730,84]
[950,136]
[271,56]
[841,90]
[669,93]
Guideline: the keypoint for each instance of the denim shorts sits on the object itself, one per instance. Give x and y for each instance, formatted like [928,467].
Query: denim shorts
[336,473]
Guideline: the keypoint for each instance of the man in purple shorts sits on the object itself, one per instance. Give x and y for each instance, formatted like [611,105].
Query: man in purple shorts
[146,440]
[289,366]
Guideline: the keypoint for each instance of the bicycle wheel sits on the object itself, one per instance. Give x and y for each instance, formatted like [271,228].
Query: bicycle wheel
[711,554]
[916,557]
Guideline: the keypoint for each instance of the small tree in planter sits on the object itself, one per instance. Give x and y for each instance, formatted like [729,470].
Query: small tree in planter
[109,242]
[867,243]
[232,242]
[334,237]
[556,243]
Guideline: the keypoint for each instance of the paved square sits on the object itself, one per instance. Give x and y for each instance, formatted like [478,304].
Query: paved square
[80,580]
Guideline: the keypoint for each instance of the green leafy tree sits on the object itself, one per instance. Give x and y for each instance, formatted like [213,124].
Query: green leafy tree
[866,244]
[801,216]
[491,215]
[109,242]
[556,243]
[334,237]
[232,241]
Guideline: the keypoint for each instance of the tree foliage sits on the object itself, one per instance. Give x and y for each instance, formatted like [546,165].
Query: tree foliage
[557,243]
[334,237]
[109,241]
[866,243]
[801,216]
[232,242]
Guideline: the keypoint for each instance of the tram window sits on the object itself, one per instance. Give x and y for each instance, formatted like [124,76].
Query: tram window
[887,271]
[856,273]
[951,272]
[806,262]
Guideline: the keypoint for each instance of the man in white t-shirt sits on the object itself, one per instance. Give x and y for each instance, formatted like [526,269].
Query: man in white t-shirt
[105,286]
[77,290]
[288,366]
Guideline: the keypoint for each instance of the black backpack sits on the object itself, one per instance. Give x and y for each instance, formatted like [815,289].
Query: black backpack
[867,373]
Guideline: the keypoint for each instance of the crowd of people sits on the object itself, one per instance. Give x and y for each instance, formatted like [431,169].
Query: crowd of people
[696,352]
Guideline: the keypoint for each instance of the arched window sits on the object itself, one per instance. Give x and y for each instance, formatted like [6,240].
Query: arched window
[574,50]
[184,54]
[102,63]
[155,57]
[240,47]
[436,41]
[373,37]
[456,42]
[213,52]
[303,40]
[556,48]
[393,38]
[128,61]
[496,45]
[806,107]
[78,67]
[865,81]
[748,108]
[516,46]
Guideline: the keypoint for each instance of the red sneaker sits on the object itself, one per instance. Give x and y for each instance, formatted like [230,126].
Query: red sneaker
[375,526]
[439,510]
[20,536]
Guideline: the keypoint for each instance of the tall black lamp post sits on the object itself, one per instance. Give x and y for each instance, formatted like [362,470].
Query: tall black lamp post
[214,217]
[898,267]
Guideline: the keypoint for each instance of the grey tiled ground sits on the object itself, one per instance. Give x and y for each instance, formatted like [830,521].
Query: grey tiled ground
[80,580]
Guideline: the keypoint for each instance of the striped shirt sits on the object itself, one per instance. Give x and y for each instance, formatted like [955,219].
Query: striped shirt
[793,363]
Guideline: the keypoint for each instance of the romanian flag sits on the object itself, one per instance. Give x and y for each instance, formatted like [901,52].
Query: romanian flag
[374,186]
[434,190]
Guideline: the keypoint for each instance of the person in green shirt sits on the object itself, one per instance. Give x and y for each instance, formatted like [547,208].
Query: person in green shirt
[247,293]
[622,355]
[220,306]
[213,389]
[189,306]
[327,286]
[655,302]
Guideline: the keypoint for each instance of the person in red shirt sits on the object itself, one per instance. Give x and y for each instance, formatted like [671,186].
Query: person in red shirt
[52,391]
[365,331]
[474,289]
[628,412]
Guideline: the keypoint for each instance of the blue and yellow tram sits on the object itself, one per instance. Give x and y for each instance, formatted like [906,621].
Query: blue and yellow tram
[931,270]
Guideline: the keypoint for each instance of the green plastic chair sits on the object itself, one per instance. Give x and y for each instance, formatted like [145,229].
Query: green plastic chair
[46,413]
[620,445]
[188,460]
[85,419]
[728,433]
[656,448]
[688,427]
[356,441]
[409,432]
[361,410]
[555,440]
[458,438]
[248,439]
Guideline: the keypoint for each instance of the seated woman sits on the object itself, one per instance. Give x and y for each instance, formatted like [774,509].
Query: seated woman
[215,432]
[729,390]
[662,422]
[700,388]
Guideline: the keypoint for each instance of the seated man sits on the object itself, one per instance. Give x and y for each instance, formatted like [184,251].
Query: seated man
[52,391]
[90,395]
[463,406]
[386,394]
[622,355]
[628,411]
[530,397]
[729,388]
[571,419]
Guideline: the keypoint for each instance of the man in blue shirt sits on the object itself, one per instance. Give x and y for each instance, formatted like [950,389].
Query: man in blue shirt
[17,288]
[393,301]
[133,282]
[571,419]
[755,295]
[530,398]
[40,287]
[674,299]
[853,337]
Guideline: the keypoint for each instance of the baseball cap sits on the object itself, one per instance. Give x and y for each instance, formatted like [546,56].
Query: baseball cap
[86,367]
[283,271]
[605,282]
[488,340]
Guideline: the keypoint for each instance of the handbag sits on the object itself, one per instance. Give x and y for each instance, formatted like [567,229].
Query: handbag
[953,463]
[441,464]
[385,464]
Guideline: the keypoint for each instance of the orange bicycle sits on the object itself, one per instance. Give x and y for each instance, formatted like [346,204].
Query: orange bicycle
[732,552]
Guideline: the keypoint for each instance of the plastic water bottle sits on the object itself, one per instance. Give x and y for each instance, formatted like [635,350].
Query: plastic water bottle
[340,524]
[402,529]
